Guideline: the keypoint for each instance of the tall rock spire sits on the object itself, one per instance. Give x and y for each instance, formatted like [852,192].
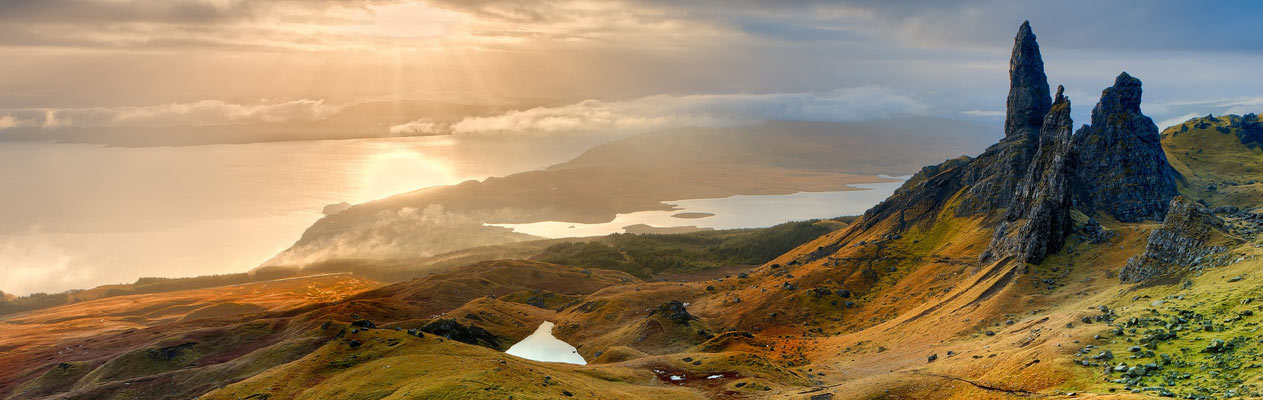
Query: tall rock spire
[1122,169]
[994,178]
[1028,100]
[1038,219]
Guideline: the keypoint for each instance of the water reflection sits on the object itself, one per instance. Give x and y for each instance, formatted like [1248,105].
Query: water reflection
[542,346]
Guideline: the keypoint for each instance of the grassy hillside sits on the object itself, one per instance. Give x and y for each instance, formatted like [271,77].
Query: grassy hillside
[1218,159]
[649,255]
[645,256]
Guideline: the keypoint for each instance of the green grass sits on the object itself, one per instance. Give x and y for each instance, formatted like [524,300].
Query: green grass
[1208,152]
[648,255]
[1174,324]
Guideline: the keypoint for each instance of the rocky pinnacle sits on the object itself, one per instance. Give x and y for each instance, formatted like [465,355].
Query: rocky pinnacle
[1122,169]
[993,178]
[1028,100]
[1038,219]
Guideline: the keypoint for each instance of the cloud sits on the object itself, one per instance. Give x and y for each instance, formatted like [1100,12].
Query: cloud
[1175,112]
[594,117]
[402,233]
[200,113]
[1163,124]
[417,128]
[984,113]
[37,263]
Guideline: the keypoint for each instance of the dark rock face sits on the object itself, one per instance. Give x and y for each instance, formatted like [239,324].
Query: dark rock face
[1028,100]
[1181,241]
[1249,130]
[471,334]
[992,179]
[1038,219]
[1040,172]
[674,310]
[989,179]
[1122,169]
[1093,232]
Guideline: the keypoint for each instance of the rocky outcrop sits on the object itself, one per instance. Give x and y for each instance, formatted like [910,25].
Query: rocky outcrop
[1121,168]
[1038,219]
[991,179]
[1029,183]
[675,311]
[1249,130]
[1028,100]
[1183,240]
[471,334]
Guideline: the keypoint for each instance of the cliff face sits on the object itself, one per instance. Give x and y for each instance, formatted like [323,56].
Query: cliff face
[1183,241]
[1122,170]
[1038,218]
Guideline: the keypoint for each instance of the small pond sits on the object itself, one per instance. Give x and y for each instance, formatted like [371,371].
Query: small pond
[542,346]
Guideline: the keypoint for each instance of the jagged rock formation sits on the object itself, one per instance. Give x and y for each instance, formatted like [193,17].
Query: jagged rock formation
[1115,166]
[1028,100]
[992,181]
[675,311]
[1122,169]
[471,334]
[1249,130]
[1038,219]
[989,180]
[1183,240]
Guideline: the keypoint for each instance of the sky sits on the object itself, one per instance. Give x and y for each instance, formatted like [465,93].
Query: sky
[89,70]
[202,136]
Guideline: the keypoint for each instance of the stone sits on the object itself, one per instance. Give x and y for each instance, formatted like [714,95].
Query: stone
[1215,346]
[1180,242]
[1121,168]
[469,334]
[674,311]
[1038,219]
[1028,101]
[988,180]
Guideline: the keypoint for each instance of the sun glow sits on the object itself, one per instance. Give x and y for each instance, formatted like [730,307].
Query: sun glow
[396,168]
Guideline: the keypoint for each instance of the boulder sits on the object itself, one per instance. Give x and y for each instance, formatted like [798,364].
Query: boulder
[1183,239]
[470,334]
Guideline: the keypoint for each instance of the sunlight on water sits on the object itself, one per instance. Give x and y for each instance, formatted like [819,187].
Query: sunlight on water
[80,215]
[731,212]
[393,170]
[542,346]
